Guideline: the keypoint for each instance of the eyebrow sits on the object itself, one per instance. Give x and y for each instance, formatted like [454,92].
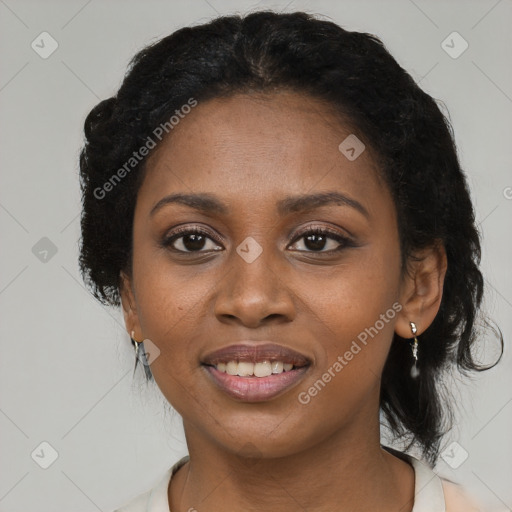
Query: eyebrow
[208,203]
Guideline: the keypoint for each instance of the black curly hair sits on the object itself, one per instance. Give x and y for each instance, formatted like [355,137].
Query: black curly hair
[404,127]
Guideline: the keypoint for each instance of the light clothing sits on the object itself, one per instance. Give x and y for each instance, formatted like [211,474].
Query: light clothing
[431,493]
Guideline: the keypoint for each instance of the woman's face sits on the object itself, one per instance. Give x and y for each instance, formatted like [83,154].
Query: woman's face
[254,275]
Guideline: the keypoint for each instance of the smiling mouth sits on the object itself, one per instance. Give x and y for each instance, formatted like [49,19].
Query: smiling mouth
[255,373]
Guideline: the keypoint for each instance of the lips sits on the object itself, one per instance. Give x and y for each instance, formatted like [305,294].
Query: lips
[255,373]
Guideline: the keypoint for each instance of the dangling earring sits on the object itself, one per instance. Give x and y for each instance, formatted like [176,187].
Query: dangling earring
[137,345]
[415,371]
[142,358]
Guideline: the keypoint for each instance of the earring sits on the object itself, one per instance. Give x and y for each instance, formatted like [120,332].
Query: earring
[137,344]
[143,357]
[415,371]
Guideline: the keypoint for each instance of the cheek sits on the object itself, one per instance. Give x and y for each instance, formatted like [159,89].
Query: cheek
[169,295]
[356,333]
[171,310]
[354,310]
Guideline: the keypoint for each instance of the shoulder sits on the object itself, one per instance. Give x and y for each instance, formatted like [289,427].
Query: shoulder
[156,498]
[137,504]
[432,493]
[457,500]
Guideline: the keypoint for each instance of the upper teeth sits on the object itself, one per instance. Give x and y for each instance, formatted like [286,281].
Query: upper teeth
[247,369]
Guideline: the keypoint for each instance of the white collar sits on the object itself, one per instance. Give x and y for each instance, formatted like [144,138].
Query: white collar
[428,488]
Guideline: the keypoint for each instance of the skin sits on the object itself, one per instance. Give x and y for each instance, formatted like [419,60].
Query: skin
[250,152]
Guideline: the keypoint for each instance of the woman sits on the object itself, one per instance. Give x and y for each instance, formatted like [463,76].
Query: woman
[281,213]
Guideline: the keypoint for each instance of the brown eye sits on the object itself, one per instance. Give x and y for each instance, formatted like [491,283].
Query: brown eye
[190,240]
[318,239]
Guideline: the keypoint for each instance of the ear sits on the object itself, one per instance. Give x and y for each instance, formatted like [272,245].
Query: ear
[421,290]
[131,318]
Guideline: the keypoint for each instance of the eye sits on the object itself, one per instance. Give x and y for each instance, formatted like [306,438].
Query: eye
[190,240]
[316,239]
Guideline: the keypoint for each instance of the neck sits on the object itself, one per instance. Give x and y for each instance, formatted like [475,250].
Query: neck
[349,471]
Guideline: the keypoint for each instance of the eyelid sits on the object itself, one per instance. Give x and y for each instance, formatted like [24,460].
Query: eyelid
[327,229]
[187,228]
[344,239]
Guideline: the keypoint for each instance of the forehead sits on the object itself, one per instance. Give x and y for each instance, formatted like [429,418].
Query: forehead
[261,147]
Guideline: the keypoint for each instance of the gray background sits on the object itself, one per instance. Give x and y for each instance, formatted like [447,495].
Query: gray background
[66,371]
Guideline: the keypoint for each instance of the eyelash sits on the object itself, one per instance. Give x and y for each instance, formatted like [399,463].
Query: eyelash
[344,241]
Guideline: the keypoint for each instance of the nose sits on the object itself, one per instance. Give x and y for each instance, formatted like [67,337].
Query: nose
[254,293]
